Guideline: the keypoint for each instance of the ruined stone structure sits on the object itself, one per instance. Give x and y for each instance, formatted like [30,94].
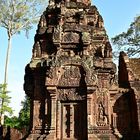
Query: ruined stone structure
[71,79]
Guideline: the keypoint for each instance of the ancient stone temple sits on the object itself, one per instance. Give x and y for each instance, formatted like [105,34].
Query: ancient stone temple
[71,79]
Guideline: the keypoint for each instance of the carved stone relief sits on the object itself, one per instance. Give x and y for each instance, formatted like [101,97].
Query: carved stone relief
[37,50]
[70,37]
[69,95]
[70,77]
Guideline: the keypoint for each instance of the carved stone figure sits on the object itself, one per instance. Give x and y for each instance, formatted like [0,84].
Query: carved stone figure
[43,22]
[37,50]
[100,112]
[102,118]
[100,22]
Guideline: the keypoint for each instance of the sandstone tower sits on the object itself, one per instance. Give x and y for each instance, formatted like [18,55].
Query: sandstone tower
[71,78]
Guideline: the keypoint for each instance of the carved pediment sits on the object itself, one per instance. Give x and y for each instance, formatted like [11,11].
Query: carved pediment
[76,28]
[68,94]
[86,37]
[70,37]
[70,77]
[77,3]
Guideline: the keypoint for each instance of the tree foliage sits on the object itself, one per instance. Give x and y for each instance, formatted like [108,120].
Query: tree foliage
[17,16]
[129,41]
[4,101]
[24,114]
[13,122]
[22,121]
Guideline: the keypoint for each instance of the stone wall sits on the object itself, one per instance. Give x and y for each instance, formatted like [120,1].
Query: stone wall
[8,133]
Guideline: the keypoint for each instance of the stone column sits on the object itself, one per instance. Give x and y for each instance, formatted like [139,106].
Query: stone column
[114,123]
[53,111]
[64,135]
[52,135]
[36,120]
[72,121]
[58,120]
[114,117]
[89,121]
[138,111]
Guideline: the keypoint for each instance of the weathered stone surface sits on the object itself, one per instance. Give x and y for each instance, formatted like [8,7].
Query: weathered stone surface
[72,82]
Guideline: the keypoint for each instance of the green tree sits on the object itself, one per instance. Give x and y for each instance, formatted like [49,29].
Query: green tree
[5,100]
[129,41]
[24,114]
[23,120]
[13,122]
[17,16]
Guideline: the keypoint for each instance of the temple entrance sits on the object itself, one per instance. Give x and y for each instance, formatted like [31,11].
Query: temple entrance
[126,109]
[73,120]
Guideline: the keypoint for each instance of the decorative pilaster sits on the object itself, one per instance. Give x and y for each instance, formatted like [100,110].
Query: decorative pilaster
[52,128]
[114,123]
[138,111]
[114,118]
[64,121]
[72,121]
[89,111]
[58,120]
[53,111]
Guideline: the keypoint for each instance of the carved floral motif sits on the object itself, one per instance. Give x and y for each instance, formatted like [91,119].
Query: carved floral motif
[68,95]
[70,77]
[71,37]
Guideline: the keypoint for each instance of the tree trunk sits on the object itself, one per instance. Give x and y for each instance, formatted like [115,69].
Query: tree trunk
[5,78]
[7,60]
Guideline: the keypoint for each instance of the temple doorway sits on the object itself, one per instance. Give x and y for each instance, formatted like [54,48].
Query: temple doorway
[73,120]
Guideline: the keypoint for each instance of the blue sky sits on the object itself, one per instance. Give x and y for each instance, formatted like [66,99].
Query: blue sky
[117,15]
